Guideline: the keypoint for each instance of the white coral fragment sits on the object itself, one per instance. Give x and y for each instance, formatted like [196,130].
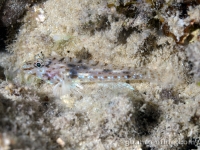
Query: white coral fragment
[40,17]
[177,25]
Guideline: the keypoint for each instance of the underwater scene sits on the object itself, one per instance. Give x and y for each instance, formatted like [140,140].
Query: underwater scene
[99,74]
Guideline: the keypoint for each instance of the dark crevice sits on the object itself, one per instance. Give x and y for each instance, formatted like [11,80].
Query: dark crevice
[124,34]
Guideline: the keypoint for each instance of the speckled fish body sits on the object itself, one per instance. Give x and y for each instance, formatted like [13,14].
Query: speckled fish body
[55,70]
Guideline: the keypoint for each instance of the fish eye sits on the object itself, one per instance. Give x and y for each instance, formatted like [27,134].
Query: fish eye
[38,65]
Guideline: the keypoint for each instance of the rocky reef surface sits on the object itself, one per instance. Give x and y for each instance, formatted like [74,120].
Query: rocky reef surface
[162,36]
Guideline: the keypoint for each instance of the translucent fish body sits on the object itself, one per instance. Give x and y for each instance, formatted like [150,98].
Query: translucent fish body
[55,70]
